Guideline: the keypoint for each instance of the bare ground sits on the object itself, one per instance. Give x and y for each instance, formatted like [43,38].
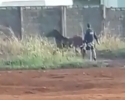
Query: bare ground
[64,84]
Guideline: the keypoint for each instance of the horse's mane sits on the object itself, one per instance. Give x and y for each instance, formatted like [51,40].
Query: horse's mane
[58,34]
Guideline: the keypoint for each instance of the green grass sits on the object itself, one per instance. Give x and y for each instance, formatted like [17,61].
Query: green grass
[38,53]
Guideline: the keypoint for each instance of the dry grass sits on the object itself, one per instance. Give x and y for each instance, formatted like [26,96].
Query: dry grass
[111,45]
[110,41]
[38,52]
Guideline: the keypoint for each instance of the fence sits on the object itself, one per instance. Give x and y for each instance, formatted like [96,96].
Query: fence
[33,20]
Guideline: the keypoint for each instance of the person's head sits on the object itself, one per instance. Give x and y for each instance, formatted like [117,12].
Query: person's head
[88,25]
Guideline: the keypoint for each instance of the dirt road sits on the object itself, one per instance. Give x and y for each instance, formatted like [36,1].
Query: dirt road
[68,84]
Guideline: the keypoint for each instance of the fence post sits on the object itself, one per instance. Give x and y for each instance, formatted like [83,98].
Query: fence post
[21,22]
[103,9]
[63,21]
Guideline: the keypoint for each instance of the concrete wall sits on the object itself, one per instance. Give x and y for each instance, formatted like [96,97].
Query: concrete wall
[78,17]
[42,19]
[45,19]
[11,17]
[115,20]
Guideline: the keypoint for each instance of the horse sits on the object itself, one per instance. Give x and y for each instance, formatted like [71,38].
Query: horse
[61,41]
[76,41]
[83,49]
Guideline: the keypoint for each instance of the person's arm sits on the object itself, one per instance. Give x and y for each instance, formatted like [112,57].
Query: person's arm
[85,37]
[96,38]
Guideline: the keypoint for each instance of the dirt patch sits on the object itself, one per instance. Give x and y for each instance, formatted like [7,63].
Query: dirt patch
[66,84]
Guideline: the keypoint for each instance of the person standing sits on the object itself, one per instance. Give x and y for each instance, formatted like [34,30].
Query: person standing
[89,38]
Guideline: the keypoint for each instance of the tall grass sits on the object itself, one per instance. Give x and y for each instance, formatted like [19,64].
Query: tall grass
[38,52]
[111,45]
[110,41]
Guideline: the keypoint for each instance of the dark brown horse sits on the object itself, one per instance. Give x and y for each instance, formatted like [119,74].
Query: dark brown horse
[61,41]
[76,41]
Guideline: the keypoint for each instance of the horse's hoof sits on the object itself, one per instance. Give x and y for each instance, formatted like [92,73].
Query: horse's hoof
[94,59]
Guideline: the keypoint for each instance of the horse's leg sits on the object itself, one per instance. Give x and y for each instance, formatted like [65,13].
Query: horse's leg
[76,50]
[83,52]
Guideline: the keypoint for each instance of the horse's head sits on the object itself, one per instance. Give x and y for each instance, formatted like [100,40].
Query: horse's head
[54,33]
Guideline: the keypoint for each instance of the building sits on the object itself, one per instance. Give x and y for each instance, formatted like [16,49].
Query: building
[36,3]
[107,3]
[114,3]
[86,2]
[121,3]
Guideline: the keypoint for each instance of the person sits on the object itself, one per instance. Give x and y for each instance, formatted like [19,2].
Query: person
[89,38]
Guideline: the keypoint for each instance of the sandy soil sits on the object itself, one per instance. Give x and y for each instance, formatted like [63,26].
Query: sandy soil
[63,84]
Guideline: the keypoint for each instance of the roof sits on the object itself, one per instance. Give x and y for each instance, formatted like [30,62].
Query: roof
[36,2]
